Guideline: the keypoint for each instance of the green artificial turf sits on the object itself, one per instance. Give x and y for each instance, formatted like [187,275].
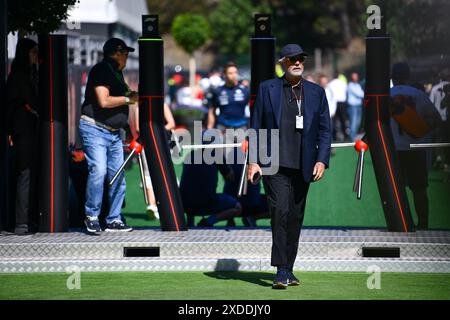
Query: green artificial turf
[223,285]
[331,202]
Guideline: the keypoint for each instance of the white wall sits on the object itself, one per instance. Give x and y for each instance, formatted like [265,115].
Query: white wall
[126,12]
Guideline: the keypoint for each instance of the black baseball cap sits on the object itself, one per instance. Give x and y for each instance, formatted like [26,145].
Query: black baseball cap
[292,50]
[115,44]
[400,71]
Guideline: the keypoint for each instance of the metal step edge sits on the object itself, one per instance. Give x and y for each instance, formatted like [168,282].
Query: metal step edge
[255,250]
[68,239]
[167,265]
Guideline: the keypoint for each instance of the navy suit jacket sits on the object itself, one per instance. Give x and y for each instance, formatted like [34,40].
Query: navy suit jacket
[316,134]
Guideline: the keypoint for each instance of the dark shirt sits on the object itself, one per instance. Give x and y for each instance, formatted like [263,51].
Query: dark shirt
[231,102]
[290,137]
[22,102]
[199,181]
[106,73]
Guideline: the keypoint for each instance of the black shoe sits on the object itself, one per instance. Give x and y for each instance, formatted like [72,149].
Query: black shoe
[92,225]
[117,226]
[204,223]
[21,230]
[292,280]
[281,280]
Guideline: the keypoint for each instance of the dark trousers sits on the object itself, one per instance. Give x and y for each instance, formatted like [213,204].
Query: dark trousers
[25,157]
[341,123]
[286,196]
[413,165]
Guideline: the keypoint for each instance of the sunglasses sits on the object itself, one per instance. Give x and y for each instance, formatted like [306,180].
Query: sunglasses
[296,58]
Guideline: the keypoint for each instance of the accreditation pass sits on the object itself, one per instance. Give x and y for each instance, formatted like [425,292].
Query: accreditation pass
[299,117]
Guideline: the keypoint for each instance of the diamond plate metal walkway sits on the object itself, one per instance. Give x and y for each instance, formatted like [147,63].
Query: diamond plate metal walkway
[222,249]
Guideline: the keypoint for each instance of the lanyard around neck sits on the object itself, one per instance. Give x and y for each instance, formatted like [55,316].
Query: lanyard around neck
[298,99]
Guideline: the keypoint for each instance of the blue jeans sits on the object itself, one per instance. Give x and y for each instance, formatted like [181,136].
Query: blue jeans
[354,114]
[104,154]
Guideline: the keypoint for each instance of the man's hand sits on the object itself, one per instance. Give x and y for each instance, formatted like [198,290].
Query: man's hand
[319,170]
[10,141]
[252,169]
[134,97]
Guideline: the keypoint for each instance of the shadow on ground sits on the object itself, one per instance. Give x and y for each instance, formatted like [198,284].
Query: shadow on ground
[259,278]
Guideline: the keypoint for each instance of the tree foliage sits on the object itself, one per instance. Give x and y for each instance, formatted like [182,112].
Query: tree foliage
[37,16]
[232,25]
[418,27]
[190,31]
[167,10]
[325,24]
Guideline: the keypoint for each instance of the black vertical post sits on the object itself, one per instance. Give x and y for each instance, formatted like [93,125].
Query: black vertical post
[151,127]
[53,151]
[4,154]
[262,54]
[378,130]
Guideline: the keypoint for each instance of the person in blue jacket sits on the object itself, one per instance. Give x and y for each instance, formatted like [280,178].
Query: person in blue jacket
[299,110]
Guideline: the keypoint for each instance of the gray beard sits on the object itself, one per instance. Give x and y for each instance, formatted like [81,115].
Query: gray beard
[295,73]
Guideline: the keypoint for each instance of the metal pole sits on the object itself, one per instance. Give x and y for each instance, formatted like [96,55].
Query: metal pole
[243,181]
[122,167]
[356,181]
[238,145]
[429,145]
[360,179]
[141,171]
[343,145]
[212,146]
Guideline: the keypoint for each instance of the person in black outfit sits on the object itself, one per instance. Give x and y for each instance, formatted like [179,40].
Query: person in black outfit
[23,120]
[198,189]
[299,110]
[105,110]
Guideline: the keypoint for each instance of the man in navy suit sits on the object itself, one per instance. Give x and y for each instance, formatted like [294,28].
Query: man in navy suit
[299,110]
